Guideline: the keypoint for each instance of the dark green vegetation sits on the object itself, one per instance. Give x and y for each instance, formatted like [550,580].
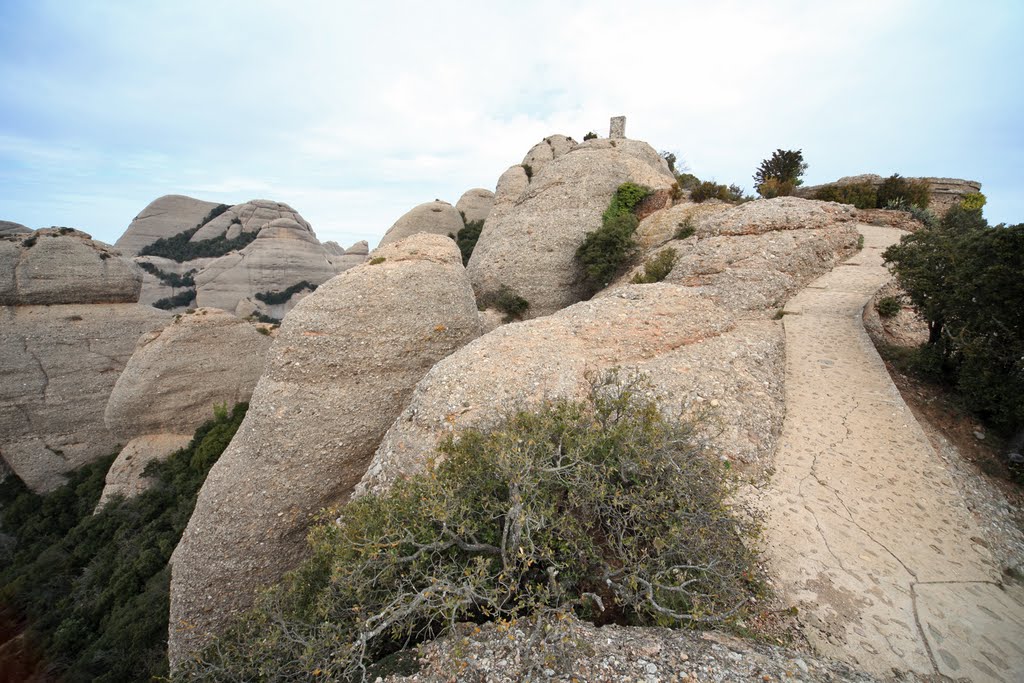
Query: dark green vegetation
[506,300]
[182,298]
[377,260]
[780,174]
[895,192]
[467,238]
[888,306]
[708,189]
[965,279]
[169,279]
[91,591]
[656,268]
[684,229]
[602,507]
[274,298]
[178,248]
[606,250]
[590,136]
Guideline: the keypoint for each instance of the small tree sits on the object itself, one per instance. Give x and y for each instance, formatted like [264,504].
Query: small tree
[784,167]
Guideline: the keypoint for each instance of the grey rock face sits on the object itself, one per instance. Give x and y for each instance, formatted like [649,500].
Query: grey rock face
[177,374]
[59,364]
[64,266]
[12,228]
[475,204]
[546,150]
[284,254]
[252,216]
[531,245]
[124,478]
[436,218]
[164,217]
[340,371]
[687,345]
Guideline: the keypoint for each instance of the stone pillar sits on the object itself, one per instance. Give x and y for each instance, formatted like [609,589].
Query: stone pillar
[618,128]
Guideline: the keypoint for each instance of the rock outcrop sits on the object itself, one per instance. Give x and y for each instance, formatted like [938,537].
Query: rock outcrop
[548,149]
[475,204]
[945,193]
[163,217]
[694,351]
[12,228]
[530,246]
[342,368]
[59,364]
[125,478]
[250,217]
[177,374]
[436,218]
[284,253]
[64,266]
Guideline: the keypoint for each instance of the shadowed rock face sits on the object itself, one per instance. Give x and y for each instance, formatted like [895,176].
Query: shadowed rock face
[64,266]
[164,217]
[436,218]
[342,368]
[12,228]
[530,243]
[59,364]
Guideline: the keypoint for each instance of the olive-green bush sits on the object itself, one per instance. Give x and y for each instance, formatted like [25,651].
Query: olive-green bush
[605,250]
[285,295]
[603,507]
[897,191]
[656,268]
[506,300]
[861,195]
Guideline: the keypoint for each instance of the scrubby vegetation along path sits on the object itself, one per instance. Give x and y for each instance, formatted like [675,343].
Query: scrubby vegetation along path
[867,535]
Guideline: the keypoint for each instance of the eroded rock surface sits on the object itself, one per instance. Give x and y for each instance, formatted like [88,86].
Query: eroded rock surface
[250,217]
[531,245]
[12,228]
[475,204]
[284,253]
[435,218]
[177,374]
[64,266]
[59,364]
[340,371]
[124,478]
[163,217]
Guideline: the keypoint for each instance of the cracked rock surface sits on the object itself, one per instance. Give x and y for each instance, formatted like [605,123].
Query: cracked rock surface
[866,533]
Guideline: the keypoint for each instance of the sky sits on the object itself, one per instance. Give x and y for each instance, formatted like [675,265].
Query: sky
[353,113]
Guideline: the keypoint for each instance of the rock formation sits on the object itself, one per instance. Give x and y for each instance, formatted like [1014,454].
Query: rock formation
[284,253]
[530,246]
[64,266]
[548,149]
[475,204]
[59,364]
[12,228]
[163,217]
[945,193]
[174,379]
[436,218]
[342,368]
[250,217]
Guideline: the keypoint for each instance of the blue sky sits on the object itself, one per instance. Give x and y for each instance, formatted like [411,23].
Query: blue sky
[353,114]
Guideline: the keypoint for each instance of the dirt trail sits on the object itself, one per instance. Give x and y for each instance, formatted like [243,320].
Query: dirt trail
[866,533]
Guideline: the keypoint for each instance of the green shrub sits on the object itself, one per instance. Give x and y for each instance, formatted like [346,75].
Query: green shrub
[182,298]
[590,136]
[687,181]
[467,238]
[684,229]
[93,588]
[656,269]
[603,507]
[784,166]
[708,189]
[898,192]
[929,219]
[179,248]
[274,298]
[529,171]
[670,159]
[604,251]
[861,195]
[773,187]
[964,279]
[973,201]
[506,300]
[169,279]
[377,260]
[888,306]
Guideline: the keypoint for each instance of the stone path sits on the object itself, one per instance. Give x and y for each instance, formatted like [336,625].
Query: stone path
[866,532]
